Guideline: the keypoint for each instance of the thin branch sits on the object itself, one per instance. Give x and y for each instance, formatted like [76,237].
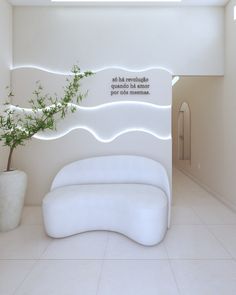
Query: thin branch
[16,130]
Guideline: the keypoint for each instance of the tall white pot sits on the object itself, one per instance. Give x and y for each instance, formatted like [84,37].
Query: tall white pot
[12,193]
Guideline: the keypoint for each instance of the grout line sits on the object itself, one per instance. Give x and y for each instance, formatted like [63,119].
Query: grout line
[166,250]
[25,278]
[44,251]
[118,259]
[172,270]
[100,277]
[207,189]
[203,224]
[220,242]
[174,276]
[202,220]
[102,264]
[193,207]
[103,259]
[106,247]
[35,261]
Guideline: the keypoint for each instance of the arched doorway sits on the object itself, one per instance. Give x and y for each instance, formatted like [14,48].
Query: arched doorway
[184,132]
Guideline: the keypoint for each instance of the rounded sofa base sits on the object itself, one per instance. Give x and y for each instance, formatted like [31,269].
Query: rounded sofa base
[137,211]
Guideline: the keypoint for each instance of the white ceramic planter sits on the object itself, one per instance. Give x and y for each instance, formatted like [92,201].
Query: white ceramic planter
[12,192]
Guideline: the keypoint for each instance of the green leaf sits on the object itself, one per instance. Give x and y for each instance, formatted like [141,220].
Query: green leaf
[16,128]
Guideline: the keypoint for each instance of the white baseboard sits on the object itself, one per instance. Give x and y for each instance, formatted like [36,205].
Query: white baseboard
[208,189]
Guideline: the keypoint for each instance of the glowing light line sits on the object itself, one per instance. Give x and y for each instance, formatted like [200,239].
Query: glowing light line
[34,67]
[101,139]
[106,105]
[109,104]
[47,70]
[175,80]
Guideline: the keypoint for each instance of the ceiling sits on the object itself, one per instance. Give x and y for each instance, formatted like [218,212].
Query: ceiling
[183,3]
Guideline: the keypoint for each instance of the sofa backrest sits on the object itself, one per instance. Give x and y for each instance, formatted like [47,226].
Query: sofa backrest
[114,169]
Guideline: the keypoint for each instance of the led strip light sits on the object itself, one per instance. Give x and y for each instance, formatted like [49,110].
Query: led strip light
[174,80]
[115,1]
[104,106]
[102,139]
[95,71]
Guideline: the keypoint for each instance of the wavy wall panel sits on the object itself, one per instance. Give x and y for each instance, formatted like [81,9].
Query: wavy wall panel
[108,121]
[99,85]
[103,125]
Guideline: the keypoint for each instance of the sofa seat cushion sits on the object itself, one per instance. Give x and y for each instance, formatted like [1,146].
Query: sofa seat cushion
[138,211]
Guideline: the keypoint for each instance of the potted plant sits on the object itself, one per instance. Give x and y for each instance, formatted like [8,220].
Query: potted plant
[18,126]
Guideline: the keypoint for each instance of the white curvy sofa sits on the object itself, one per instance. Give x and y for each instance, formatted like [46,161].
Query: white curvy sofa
[125,194]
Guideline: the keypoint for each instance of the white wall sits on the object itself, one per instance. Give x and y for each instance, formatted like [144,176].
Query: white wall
[213,106]
[229,107]
[186,40]
[96,130]
[204,96]
[5,58]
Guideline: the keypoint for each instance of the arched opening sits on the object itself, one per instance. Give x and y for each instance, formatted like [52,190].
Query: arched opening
[184,132]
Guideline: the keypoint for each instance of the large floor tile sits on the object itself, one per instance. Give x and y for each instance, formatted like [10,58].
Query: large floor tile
[200,243]
[193,242]
[132,277]
[12,274]
[32,215]
[204,277]
[184,215]
[180,200]
[90,245]
[121,247]
[182,183]
[226,234]
[195,199]
[25,242]
[185,185]
[62,277]
[215,214]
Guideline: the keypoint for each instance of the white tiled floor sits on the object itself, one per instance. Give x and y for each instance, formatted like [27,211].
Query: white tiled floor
[197,257]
